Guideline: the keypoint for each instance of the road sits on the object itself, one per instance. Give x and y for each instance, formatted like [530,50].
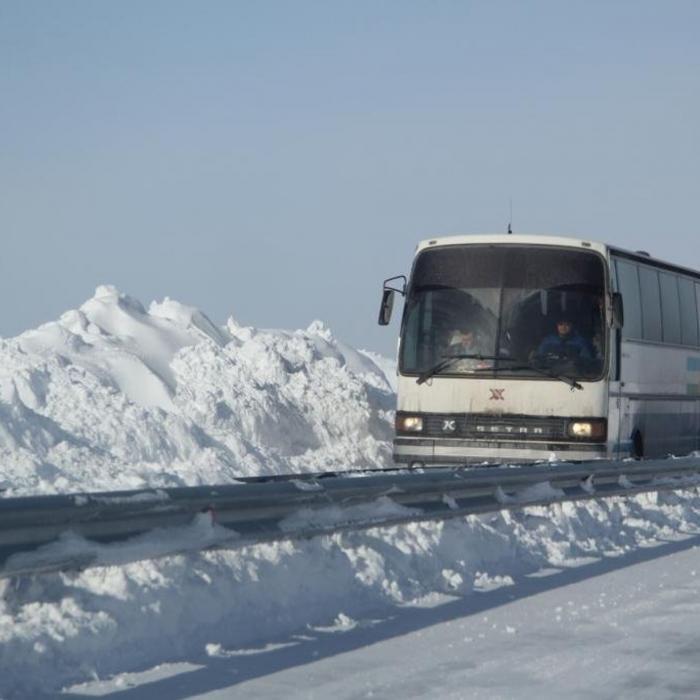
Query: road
[616,627]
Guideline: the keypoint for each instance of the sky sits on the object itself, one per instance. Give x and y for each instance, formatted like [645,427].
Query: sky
[275,161]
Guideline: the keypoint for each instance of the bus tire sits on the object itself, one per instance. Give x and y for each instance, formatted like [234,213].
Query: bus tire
[637,445]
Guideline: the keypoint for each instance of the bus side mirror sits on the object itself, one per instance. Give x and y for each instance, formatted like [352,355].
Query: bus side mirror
[388,299]
[386,307]
[618,311]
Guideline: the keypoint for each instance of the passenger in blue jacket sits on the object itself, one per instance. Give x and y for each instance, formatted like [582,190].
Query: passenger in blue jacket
[566,343]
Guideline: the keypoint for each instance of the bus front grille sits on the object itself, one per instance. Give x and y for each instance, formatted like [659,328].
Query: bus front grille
[494,427]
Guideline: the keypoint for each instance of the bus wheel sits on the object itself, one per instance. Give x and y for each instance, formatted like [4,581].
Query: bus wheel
[637,445]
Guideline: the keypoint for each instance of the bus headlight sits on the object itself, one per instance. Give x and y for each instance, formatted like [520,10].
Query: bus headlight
[594,429]
[409,424]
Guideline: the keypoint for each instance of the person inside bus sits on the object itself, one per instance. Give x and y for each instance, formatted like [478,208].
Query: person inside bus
[565,344]
[467,341]
[464,341]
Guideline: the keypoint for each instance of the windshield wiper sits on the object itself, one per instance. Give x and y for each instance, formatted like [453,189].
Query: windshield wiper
[552,375]
[448,359]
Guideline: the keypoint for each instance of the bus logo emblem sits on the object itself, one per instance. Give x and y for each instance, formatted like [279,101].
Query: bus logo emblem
[497,395]
[449,426]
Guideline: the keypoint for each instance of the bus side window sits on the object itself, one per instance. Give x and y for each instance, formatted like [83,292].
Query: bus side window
[670,307]
[628,286]
[689,312]
[697,296]
[651,304]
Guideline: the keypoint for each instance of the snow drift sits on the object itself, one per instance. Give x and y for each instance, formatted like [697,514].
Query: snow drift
[116,396]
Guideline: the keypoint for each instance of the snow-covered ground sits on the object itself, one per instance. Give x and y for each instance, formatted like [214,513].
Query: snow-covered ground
[619,627]
[114,396]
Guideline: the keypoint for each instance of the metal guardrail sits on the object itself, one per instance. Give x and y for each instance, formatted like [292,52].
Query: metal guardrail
[51,533]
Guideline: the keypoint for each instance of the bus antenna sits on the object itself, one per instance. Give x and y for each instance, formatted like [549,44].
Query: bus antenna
[510,217]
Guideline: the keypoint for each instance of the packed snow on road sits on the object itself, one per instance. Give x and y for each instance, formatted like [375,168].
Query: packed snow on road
[569,600]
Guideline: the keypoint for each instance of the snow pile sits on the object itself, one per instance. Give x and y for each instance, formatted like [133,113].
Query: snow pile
[66,628]
[116,396]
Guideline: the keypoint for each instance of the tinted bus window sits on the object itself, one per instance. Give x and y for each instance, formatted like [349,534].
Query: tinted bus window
[670,307]
[689,312]
[651,303]
[628,286]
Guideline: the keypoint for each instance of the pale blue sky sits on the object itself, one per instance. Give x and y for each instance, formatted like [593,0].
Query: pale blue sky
[277,160]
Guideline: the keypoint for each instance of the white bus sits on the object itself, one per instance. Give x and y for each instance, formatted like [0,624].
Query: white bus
[514,348]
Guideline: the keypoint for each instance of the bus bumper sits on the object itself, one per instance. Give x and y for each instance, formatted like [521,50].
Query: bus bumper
[452,452]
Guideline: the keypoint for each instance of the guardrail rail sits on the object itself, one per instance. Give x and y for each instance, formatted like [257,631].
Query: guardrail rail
[75,531]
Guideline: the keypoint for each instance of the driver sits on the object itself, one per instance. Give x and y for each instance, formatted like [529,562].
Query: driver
[566,343]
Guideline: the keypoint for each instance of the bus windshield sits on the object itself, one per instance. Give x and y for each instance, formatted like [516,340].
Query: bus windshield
[515,310]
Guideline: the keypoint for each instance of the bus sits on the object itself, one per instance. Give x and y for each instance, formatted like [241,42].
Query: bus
[524,348]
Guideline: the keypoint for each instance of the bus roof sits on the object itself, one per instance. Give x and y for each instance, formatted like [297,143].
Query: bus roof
[567,241]
[512,239]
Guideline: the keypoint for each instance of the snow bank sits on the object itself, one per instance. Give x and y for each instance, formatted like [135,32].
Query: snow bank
[116,396]
[60,629]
